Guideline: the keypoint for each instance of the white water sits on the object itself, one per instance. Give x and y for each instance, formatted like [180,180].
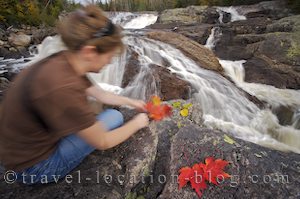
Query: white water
[213,38]
[274,96]
[129,20]
[235,16]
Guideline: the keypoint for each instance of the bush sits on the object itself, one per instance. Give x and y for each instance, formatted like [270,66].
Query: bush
[33,12]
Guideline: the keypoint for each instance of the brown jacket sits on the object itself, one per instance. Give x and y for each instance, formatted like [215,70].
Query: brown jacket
[46,102]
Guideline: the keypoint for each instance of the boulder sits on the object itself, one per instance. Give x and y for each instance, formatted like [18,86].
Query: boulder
[263,70]
[20,39]
[181,15]
[201,55]
[190,15]
[196,32]
[256,172]
[270,9]
[170,86]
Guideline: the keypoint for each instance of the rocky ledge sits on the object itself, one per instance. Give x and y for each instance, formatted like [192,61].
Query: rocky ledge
[15,42]
[146,166]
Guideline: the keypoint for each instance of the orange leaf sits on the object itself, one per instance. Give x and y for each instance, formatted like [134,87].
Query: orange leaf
[156,110]
[156,100]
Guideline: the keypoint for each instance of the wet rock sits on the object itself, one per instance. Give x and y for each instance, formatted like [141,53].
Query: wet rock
[201,55]
[170,86]
[226,16]
[263,70]
[284,115]
[39,34]
[270,9]
[132,67]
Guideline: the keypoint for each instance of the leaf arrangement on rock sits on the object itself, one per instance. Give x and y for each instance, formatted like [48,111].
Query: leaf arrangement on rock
[157,110]
[212,171]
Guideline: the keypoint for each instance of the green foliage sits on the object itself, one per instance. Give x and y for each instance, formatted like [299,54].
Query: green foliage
[36,12]
[33,12]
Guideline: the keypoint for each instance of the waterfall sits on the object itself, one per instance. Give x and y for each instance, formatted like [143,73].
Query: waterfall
[235,16]
[296,119]
[270,94]
[133,21]
[213,38]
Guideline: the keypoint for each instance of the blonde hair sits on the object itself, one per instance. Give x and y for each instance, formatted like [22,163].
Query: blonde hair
[90,26]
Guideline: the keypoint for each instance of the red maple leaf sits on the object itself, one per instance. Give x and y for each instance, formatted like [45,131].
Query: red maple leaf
[156,110]
[200,173]
[213,170]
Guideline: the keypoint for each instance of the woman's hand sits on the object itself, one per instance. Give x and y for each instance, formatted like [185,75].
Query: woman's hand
[141,120]
[138,104]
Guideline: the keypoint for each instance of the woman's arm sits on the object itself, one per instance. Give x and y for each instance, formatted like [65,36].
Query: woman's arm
[102,140]
[112,99]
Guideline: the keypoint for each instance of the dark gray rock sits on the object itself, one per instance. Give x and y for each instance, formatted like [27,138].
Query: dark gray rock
[169,85]
[256,172]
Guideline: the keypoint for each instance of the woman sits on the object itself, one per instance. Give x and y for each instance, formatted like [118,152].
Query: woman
[47,127]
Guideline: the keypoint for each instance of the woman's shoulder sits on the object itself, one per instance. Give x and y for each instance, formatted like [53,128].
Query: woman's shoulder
[55,73]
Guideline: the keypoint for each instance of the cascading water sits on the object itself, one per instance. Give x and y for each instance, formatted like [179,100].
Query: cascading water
[129,20]
[213,38]
[235,16]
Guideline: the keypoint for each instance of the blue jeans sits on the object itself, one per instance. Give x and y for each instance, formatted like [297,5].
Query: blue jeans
[70,152]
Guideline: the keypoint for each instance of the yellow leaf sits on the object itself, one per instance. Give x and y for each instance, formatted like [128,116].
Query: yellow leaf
[176,104]
[215,142]
[184,112]
[179,125]
[156,100]
[228,140]
[187,106]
